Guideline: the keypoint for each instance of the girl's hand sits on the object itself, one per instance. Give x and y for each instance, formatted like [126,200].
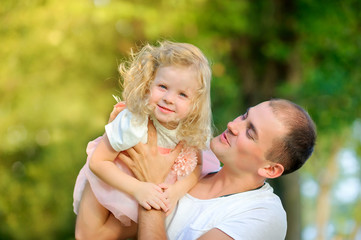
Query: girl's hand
[150,196]
[173,198]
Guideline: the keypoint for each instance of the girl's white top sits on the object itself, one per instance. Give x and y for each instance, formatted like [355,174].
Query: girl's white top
[127,130]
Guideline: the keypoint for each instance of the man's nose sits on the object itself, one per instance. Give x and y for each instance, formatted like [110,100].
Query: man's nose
[232,127]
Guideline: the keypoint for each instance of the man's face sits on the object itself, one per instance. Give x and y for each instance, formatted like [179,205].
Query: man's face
[247,138]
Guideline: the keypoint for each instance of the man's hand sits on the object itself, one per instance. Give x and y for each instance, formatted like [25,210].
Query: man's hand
[147,164]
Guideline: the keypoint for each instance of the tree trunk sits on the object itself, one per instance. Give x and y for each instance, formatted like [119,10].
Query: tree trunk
[327,179]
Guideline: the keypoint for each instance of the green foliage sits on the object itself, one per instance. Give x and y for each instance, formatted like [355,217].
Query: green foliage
[329,42]
[54,93]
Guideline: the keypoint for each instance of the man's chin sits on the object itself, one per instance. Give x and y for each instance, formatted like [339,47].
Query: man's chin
[213,144]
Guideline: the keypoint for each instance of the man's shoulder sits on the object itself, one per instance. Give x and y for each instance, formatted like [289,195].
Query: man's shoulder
[265,195]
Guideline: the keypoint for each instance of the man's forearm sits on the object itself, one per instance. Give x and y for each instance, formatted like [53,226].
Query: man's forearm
[151,224]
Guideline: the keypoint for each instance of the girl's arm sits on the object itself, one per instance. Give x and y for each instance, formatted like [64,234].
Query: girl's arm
[102,164]
[181,187]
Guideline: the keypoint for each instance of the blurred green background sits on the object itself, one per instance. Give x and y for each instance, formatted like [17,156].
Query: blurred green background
[58,72]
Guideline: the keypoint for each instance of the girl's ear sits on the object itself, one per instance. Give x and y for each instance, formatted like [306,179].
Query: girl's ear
[272,170]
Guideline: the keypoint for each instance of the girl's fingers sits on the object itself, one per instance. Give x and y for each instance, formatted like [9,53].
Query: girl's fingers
[162,203]
[169,210]
[145,205]
[166,195]
[164,206]
[154,204]
[163,186]
[159,188]
[161,200]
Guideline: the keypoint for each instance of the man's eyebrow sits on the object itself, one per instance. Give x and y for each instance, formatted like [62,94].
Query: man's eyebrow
[251,126]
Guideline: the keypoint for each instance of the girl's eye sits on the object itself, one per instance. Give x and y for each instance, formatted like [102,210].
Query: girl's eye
[183,95]
[162,86]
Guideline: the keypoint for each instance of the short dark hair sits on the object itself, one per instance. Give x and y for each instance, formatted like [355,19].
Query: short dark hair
[293,149]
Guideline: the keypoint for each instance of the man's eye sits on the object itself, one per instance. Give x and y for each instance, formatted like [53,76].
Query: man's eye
[249,134]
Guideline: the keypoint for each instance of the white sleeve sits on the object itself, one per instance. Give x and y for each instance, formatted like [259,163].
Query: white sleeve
[125,131]
[256,224]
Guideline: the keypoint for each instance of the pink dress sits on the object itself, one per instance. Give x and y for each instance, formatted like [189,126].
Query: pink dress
[121,205]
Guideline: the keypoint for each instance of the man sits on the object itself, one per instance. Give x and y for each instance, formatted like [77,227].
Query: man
[271,139]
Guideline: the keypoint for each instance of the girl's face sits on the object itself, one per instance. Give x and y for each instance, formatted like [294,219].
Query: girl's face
[172,93]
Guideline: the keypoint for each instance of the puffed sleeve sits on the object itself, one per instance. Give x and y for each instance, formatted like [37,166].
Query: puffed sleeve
[210,162]
[125,131]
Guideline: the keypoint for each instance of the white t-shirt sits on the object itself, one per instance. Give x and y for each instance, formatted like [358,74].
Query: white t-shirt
[253,215]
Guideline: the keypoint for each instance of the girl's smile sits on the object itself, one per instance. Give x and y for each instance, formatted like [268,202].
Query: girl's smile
[164,109]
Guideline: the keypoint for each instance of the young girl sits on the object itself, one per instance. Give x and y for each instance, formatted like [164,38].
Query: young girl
[169,85]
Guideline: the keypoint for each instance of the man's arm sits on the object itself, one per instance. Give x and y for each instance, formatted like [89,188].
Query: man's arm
[215,234]
[151,224]
[149,165]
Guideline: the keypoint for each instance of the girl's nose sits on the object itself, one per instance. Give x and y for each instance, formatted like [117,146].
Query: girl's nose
[168,97]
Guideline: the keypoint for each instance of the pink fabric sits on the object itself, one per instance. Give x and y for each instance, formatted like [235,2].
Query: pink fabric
[210,162]
[121,205]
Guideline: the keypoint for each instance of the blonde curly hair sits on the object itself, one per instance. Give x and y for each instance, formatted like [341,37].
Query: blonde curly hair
[138,74]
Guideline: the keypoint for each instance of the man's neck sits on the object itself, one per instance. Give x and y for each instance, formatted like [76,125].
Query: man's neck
[223,183]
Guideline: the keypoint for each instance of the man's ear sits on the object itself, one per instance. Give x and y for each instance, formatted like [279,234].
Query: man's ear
[271,170]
